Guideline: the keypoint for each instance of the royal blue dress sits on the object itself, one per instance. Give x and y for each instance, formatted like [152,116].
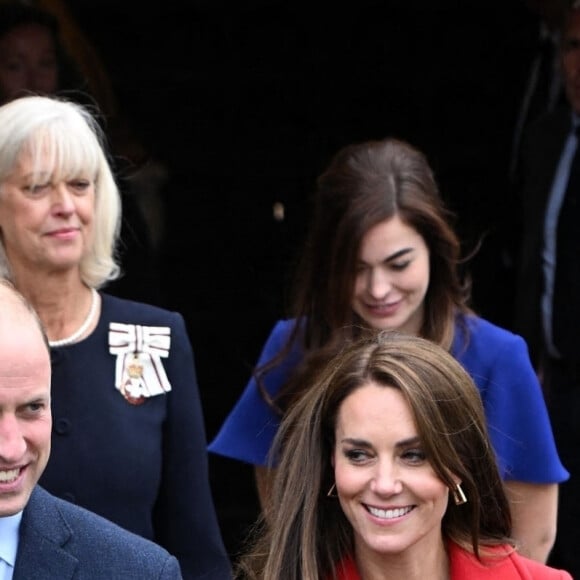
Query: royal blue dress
[497,360]
[139,461]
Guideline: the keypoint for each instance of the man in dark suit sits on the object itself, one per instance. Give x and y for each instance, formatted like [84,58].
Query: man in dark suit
[548,293]
[41,536]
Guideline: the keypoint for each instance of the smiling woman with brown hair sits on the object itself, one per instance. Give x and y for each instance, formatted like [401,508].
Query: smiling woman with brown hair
[386,470]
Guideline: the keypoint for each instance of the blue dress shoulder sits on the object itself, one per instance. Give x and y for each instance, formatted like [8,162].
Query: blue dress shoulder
[517,417]
[497,360]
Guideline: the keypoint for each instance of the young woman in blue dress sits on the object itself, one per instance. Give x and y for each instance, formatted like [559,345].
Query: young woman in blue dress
[381,254]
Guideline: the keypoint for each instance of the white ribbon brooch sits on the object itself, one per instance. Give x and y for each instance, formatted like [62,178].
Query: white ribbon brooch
[139,372]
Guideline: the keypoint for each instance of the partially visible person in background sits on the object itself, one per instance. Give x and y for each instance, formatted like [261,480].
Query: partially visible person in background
[41,536]
[381,254]
[544,87]
[542,91]
[128,437]
[547,309]
[31,57]
[386,470]
[34,60]
[145,174]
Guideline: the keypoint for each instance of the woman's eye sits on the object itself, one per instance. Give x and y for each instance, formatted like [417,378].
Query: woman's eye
[414,456]
[80,184]
[356,455]
[37,188]
[398,266]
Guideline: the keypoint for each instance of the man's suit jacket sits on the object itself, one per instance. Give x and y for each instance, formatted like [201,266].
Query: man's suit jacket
[541,152]
[62,541]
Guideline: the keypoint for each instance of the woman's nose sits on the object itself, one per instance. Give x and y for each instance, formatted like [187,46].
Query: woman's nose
[379,284]
[386,480]
[63,199]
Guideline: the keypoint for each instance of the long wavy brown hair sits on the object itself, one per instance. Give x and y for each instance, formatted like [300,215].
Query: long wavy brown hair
[364,185]
[307,533]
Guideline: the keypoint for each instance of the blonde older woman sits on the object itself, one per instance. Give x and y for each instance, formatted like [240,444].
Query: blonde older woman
[128,438]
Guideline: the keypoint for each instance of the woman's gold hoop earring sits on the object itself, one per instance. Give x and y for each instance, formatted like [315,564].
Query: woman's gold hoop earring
[458,495]
[332,491]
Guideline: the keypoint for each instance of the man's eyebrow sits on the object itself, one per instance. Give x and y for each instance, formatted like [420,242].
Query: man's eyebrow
[36,400]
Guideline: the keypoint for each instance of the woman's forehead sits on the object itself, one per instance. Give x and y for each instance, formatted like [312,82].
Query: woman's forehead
[42,154]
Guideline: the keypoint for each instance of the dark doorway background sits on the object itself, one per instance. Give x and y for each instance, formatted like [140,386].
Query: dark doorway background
[245,102]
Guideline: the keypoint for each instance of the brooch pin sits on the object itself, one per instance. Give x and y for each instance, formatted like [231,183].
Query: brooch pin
[139,371]
[132,388]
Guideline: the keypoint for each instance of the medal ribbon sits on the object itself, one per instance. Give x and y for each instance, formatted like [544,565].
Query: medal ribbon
[139,350]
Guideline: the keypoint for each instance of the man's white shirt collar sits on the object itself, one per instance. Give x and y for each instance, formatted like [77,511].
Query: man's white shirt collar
[9,527]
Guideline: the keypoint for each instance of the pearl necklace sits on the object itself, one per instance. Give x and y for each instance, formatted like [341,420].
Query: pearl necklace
[75,336]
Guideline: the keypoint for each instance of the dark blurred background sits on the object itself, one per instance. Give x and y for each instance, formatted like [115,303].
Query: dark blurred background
[245,103]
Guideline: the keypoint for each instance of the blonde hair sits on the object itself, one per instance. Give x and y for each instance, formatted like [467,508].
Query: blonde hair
[71,137]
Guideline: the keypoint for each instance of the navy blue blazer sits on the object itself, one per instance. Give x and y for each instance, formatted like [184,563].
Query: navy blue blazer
[64,541]
[139,463]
